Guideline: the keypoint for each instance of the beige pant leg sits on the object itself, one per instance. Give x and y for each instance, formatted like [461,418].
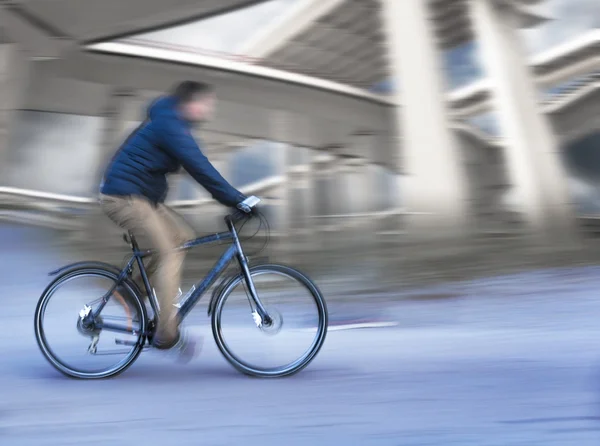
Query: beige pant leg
[145,220]
[180,232]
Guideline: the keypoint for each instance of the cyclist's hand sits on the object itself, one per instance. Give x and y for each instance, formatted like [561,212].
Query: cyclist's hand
[248,205]
[244,208]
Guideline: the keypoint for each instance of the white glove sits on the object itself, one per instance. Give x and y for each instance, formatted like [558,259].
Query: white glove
[249,203]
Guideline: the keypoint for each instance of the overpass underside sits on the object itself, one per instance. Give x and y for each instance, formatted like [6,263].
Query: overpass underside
[332,163]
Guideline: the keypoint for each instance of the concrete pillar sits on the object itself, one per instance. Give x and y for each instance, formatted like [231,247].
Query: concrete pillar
[299,185]
[14,80]
[310,194]
[354,190]
[4,93]
[340,192]
[302,188]
[434,189]
[348,187]
[320,168]
[115,115]
[279,124]
[323,169]
[365,192]
[534,164]
[280,130]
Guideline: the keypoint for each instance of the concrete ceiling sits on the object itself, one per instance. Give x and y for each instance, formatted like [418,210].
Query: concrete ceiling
[343,40]
[340,40]
[86,21]
[453,21]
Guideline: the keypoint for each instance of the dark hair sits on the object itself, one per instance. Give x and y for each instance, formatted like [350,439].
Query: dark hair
[187,90]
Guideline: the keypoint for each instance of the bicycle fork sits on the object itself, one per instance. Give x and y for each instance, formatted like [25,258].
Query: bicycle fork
[259,312]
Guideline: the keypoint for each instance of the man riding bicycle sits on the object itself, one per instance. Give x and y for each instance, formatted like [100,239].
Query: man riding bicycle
[134,188]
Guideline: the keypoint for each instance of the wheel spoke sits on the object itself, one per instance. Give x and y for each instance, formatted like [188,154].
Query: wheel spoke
[63,324]
[254,351]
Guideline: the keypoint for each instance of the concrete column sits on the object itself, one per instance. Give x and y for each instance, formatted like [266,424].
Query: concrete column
[283,203]
[340,191]
[14,81]
[115,115]
[310,194]
[434,189]
[320,169]
[299,186]
[535,170]
[364,146]
[349,187]
[279,123]
[323,170]
[354,191]
[279,129]
[4,106]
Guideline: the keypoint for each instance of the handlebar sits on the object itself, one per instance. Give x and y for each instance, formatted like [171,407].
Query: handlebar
[248,204]
[238,215]
[245,209]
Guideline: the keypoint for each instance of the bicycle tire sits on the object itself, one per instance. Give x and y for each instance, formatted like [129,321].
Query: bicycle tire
[102,270]
[295,366]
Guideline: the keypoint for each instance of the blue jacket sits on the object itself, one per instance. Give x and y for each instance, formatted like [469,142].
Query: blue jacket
[159,146]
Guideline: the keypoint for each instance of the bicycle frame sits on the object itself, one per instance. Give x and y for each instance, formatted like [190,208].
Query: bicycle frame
[233,251]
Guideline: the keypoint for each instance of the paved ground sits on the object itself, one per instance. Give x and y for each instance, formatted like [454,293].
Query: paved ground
[504,361]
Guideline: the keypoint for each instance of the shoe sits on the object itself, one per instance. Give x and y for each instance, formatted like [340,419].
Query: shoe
[159,344]
[188,347]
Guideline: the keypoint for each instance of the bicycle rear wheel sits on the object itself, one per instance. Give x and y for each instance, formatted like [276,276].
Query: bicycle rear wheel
[88,351]
[250,345]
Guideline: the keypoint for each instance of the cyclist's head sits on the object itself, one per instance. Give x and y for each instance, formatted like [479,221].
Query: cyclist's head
[195,99]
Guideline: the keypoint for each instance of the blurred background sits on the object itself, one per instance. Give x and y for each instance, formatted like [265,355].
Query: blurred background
[432,164]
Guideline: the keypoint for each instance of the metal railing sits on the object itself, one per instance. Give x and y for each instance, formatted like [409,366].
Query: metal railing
[59,210]
[74,200]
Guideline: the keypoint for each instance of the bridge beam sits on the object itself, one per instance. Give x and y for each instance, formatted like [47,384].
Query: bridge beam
[30,35]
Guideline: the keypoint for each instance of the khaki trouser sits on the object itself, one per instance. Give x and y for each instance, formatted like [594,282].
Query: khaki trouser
[164,229]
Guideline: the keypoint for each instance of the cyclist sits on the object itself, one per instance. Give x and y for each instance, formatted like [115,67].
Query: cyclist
[134,188]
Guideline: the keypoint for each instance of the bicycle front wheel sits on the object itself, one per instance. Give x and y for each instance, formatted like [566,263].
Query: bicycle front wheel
[293,336]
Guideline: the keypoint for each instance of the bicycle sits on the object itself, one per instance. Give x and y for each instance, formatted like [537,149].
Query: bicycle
[140,326]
